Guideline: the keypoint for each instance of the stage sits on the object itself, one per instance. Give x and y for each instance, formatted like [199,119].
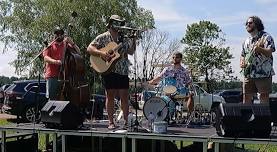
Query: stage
[203,134]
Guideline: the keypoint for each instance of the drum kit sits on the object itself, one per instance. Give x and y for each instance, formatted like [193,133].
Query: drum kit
[166,103]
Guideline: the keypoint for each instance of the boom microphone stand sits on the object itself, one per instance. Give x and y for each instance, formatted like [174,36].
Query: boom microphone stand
[38,87]
[136,123]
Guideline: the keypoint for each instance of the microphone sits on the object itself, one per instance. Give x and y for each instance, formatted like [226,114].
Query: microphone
[127,28]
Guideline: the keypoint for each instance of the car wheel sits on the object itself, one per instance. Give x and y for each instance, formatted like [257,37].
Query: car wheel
[29,114]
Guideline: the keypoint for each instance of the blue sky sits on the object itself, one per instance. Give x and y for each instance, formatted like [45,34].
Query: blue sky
[173,16]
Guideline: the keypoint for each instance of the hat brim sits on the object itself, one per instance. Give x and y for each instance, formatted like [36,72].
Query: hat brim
[59,32]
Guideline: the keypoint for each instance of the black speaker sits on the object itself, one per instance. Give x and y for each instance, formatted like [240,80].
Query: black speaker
[241,120]
[273,107]
[61,115]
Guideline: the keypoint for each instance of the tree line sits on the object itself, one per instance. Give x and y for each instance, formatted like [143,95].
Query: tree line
[25,25]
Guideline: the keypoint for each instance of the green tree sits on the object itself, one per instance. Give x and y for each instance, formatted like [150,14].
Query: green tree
[26,24]
[205,52]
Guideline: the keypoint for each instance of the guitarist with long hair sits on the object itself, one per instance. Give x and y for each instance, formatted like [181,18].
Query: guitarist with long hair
[256,61]
[111,51]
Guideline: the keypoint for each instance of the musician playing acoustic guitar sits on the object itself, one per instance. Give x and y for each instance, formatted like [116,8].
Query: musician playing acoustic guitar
[256,61]
[116,80]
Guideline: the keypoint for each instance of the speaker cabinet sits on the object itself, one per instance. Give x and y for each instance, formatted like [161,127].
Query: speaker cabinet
[61,115]
[241,120]
[273,107]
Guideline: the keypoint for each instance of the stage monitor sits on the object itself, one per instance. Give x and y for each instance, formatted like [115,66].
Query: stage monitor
[241,120]
[61,115]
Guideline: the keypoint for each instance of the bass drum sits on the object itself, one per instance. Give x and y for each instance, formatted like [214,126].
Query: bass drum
[160,107]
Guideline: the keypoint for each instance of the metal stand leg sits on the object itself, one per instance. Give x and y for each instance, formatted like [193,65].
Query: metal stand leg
[205,146]
[124,144]
[54,142]
[3,141]
[134,145]
[63,143]
[216,147]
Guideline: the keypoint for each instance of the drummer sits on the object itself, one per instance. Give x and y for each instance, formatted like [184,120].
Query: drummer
[180,74]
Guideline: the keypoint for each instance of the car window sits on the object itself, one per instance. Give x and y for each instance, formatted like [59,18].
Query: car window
[30,85]
[11,87]
[199,90]
[19,87]
[4,87]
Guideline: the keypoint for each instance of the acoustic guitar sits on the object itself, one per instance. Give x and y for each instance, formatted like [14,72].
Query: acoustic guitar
[103,66]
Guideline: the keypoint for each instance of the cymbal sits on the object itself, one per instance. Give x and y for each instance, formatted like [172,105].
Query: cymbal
[161,65]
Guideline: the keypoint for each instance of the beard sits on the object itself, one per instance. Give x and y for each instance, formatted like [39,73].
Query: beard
[59,39]
[176,62]
[250,29]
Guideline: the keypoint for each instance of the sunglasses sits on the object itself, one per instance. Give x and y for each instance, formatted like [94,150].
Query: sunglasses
[176,57]
[249,23]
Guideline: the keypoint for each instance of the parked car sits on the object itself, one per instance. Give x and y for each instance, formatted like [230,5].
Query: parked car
[231,95]
[22,98]
[98,103]
[201,97]
[2,93]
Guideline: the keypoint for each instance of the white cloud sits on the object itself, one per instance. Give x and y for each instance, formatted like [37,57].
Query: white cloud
[6,69]
[266,2]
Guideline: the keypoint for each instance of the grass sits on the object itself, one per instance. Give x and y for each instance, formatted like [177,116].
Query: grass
[238,147]
[3,122]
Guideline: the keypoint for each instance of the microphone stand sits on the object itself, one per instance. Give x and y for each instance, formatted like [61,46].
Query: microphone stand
[136,124]
[38,87]
[37,92]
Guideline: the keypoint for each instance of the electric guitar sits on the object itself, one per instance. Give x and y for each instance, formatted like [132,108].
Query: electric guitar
[249,57]
[103,66]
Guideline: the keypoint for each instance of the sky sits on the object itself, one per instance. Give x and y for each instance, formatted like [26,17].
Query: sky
[173,16]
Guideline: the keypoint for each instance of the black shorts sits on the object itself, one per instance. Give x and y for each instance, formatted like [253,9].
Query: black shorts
[115,81]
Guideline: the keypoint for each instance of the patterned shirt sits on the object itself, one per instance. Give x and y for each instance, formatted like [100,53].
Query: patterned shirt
[181,75]
[261,66]
[122,65]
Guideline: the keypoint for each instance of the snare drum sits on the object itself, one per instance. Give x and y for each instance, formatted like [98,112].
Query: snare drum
[168,85]
[146,95]
[160,107]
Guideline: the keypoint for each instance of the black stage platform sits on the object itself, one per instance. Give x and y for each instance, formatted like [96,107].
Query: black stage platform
[131,141]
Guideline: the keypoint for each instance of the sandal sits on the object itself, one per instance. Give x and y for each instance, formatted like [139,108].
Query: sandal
[111,126]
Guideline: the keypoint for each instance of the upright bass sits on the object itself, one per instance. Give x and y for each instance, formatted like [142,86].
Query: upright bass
[74,86]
